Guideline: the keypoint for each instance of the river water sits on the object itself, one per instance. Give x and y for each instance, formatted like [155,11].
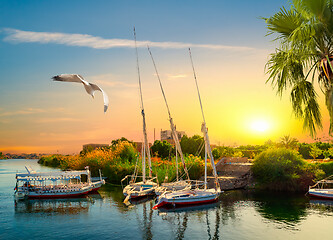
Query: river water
[238,215]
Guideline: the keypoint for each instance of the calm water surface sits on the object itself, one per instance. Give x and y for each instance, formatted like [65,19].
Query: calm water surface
[238,215]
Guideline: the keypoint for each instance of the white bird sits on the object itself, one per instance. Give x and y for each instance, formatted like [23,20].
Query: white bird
[90,87]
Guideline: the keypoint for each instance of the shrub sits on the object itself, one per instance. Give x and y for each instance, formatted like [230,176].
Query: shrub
[327,167]
[282,169]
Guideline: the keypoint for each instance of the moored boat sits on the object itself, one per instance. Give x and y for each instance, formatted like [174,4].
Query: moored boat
[61,184]
[322,189]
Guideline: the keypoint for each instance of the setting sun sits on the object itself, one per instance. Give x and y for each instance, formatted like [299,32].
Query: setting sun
[260,126]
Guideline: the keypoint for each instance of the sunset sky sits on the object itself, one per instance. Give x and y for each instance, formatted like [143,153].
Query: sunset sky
[40,39]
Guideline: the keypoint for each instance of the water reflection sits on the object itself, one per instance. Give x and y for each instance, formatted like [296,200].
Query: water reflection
[67,206]
[325,207]
[179,216]
[281,207]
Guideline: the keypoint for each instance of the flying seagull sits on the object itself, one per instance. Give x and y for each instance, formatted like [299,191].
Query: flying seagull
[90,87]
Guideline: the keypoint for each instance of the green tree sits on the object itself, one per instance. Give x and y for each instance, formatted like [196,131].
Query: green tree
[315,151]
[122,139]
[162,149]
[193,145]
[289,142]
[305,34]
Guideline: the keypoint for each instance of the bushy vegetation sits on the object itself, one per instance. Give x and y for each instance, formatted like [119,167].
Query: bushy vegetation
[284,169]
[162,149]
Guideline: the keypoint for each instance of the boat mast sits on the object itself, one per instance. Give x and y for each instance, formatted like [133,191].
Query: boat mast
[146,144]
[143,162]
[177,178]
[173,128]
[204,129]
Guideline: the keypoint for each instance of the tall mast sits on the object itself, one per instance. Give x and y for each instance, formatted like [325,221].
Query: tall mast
[204,129]
[143,157]
[146,144]
[172,126]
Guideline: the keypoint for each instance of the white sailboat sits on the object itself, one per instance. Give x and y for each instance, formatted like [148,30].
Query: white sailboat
[196,196]
[179,184]
[147,185]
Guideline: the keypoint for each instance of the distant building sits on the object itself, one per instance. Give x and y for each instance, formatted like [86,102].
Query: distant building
[166,135]
[94,145]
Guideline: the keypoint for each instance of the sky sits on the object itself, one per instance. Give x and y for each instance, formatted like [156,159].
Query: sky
[41,39]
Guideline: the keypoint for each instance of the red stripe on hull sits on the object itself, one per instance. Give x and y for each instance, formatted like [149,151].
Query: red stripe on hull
[317,196]
[184,203]
[60,196]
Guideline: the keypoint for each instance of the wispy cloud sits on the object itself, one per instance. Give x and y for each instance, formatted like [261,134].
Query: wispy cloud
[51,120]
[22,112]
[85,40]
[177,76]
[29,111]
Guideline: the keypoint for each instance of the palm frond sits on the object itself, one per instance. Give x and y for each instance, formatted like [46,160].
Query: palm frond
[283,22]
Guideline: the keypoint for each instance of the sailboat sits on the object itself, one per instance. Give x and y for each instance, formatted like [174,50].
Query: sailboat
[178,184]
[147,186]
[196,196]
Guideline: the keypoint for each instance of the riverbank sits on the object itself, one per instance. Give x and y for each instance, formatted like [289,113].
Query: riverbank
[276,169]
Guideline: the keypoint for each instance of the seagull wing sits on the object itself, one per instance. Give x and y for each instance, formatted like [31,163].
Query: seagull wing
[89,87]
[70,78]
[105,96]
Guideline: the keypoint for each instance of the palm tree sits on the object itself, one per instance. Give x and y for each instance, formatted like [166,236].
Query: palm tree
[289,142]
[305,55]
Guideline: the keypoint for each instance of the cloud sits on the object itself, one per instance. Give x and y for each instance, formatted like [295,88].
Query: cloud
[29,111]
[22,112]
[85,40]
[177,76]
[51,120]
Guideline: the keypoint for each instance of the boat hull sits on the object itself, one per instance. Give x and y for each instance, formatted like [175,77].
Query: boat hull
[321,193]
[186,198]
[97,185]
[140,190]
[53,194]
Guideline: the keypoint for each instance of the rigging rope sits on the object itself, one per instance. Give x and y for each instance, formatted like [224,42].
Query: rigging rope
[173,129]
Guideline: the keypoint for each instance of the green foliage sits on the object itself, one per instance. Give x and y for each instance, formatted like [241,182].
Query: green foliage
[304,149]
[315,151]
[223,151]
[193,145]
[289,142]
[281,169]
[129,153]
[52,161]
[162,149]
[86,150]
[122,139]
[327,167]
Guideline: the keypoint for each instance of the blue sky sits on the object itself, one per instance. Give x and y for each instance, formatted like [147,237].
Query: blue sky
[229,47]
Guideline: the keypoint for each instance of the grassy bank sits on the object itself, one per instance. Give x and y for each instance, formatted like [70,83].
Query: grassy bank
[118,161]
